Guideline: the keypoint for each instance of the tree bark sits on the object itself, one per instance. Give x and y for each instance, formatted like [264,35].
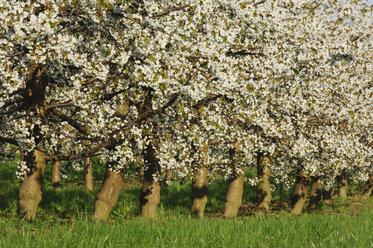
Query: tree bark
[30,193]
[263,194]
[327,196]
[342,185]
[298,198]
[151,189]
[88,174]
[56,175]
[233,198]
[315,194]
[199,192]
[368,188]
[108,195]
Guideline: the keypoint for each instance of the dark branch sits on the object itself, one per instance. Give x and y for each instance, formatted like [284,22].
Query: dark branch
[169,10]
[206,100]
[111,141]
[57,105]
[71,121]
[111,95]
[243,53]
[8,140]
[90,81]
[260,2]
[14,54]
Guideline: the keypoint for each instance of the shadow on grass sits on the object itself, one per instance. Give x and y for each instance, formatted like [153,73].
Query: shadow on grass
[9,185]
[176,197]
[128,204]
[67,201]
[8,200]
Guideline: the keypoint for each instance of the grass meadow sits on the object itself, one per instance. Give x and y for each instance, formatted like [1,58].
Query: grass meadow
[64,218]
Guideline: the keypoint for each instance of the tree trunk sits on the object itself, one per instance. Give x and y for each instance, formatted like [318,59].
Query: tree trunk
[263,194]
[199,192]
[233,198]
[368,188]
[88,174]
[56,175]
[30,193]
[298,198]
[151,189]
[315,194]
[342,185]
[108,195]
[327,196]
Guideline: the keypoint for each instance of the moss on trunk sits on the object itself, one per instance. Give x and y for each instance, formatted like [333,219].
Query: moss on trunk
[30,193]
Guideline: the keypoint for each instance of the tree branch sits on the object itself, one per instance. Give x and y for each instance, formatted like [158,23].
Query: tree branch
[57,105]
[8,140]
[169,10]
[71,121]
[14,54]
[111,141]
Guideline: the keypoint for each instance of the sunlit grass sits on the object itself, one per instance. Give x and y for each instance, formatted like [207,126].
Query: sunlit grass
[64,219]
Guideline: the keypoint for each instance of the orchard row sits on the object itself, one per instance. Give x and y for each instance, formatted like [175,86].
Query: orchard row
[181,88]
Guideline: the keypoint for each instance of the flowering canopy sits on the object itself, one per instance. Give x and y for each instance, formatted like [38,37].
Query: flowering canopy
[288,79]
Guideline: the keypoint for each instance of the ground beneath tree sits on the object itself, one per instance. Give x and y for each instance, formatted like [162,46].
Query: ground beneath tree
[350,206]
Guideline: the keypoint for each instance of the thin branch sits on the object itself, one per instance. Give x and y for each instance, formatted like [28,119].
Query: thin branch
[205,76]
[14,54]
[243,53]
[57,105]
[260,2]
[111,95]
[12,119]
[145,24]
[169,10]
[206,100]
[90,81]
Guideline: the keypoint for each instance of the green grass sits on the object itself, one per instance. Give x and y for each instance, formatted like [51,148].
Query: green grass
[284,231]
[64,219]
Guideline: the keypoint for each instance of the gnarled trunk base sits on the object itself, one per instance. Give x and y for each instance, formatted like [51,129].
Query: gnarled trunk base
[30,193]
[327,196]
[233,198]
[263,194]
[199,192]
[342,185]
[298,198]
[108,195]
[315,194]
